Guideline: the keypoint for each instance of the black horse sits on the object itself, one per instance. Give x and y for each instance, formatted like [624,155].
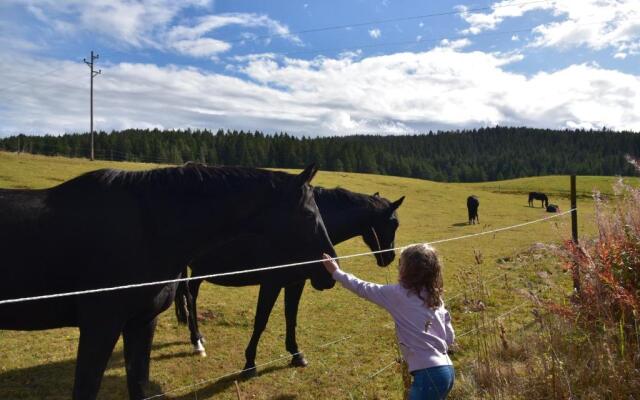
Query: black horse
[108,228]
[538,196]
[472,207]
[345,214]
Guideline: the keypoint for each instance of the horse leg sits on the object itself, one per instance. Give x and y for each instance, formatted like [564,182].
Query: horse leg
[292,295]
[97,340]
[138,338]
[196,337]
[266,299]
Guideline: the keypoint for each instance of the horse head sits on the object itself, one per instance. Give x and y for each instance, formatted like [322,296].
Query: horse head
[380,232]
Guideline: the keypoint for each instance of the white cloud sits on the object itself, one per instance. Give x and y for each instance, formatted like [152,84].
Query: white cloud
[375,33]
[186,38]
[455,44]
[149,23]
[501,10]
[597,24]
[131,23]
[201,47]
[437,89]
[515,38]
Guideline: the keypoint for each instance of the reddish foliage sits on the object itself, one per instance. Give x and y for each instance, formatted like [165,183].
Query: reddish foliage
[608,270]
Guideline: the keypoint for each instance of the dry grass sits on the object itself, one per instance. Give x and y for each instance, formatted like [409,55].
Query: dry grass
[578,345]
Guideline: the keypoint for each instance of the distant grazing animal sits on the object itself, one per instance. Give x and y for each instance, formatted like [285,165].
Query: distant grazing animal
[345,214]
[108,228]
[538,196]
[472,207]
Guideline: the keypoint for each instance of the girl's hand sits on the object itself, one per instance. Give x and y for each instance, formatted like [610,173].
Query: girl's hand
[329,263]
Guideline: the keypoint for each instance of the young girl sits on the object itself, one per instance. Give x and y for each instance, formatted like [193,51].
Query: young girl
[423,325]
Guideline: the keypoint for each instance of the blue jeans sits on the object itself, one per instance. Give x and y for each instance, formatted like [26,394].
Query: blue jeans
[432,383]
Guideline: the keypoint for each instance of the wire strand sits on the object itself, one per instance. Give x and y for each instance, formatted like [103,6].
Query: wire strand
[271,268]
[384,21]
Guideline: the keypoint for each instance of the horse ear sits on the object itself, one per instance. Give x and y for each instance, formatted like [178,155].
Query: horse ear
[307,175]
[397,203]
[376,194]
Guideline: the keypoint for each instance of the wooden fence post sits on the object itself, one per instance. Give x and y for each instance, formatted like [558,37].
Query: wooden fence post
[574,230]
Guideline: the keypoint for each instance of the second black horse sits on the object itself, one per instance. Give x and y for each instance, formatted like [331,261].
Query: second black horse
[345,214]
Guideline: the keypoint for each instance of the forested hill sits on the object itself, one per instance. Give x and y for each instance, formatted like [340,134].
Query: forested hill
[461,156]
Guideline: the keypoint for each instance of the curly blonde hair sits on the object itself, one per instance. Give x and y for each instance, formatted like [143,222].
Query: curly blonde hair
[421,274]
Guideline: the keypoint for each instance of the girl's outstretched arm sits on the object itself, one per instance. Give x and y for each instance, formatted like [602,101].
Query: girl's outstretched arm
[378,294]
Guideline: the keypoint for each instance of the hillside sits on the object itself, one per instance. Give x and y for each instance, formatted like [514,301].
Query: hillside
[40,364]
[486,154]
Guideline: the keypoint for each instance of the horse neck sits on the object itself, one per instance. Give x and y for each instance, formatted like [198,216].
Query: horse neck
[343,218]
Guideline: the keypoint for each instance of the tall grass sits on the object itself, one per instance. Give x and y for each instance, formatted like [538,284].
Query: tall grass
[582,343]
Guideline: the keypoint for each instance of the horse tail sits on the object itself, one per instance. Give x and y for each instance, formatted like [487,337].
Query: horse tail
[180,302]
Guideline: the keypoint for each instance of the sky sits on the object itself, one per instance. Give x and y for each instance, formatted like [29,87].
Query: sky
[319,68]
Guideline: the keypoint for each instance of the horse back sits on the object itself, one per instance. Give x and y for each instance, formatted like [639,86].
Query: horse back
[58,241]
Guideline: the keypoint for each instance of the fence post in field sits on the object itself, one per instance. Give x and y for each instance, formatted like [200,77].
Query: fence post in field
[574,230]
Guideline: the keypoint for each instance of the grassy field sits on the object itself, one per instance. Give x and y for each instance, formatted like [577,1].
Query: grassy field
[36,365]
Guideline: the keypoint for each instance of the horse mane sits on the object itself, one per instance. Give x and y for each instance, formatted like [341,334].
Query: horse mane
[190,177]
[342,195]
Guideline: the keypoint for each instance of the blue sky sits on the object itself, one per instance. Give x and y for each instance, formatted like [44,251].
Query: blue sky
[389,66]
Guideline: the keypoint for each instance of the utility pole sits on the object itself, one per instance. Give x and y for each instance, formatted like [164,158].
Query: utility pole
[93,74]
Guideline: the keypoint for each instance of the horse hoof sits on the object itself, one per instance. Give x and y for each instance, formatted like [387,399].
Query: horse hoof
[299,361]
[248,373]
[199,348]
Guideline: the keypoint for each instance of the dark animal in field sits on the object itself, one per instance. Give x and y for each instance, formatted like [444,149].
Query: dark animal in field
[345,214]
[553,208]
[538,196]
[108,228]
[472,208]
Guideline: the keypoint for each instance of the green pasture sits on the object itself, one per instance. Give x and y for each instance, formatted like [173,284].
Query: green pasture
[35,365]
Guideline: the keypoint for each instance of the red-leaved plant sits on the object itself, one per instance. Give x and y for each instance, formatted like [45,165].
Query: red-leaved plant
[607,269]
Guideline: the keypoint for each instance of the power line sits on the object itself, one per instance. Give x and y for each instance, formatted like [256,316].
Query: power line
[353,48]
[39,75]
[327,28]
[44,74]
[385,21]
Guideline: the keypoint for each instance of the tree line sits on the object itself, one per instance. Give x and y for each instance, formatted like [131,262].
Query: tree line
[484,154]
